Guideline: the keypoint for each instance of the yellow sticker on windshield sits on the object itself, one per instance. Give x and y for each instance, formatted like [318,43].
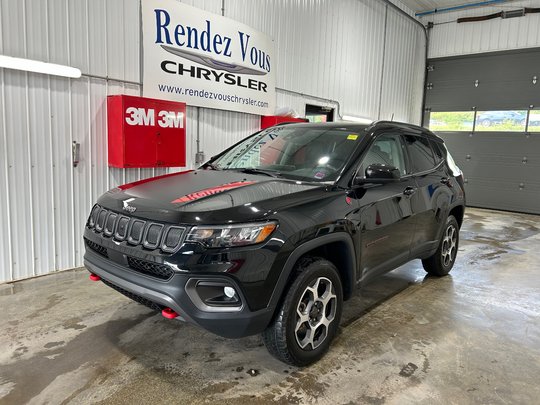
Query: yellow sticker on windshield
[352,137]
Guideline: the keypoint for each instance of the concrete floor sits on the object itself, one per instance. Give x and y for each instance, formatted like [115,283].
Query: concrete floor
[471,337]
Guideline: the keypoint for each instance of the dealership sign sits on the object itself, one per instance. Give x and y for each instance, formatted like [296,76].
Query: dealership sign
[206,60]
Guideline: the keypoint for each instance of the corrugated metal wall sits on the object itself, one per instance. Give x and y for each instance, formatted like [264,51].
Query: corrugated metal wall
[333,50]
[448,38]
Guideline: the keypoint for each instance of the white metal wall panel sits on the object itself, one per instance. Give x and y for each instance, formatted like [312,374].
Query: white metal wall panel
[131,44]
[77,21]
[220,129]
[41,161]
[449,38]
[403,70]
[116,39]
[331,52]
[80,119]
[336,49]
[338,52]
[5,211]
[57,40]
[61,181]
[18,173]
[97,37]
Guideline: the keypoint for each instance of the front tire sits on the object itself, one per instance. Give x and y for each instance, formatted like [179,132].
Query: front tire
[309,316]
[443,260]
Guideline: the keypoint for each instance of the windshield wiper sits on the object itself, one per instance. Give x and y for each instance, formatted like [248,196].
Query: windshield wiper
[211,166]
[253,170]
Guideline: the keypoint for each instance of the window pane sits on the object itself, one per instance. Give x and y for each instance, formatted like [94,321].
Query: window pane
[451,121]
[438,149]
[419,153]
[303,152]
[501,121]
[534,121]
[386,150]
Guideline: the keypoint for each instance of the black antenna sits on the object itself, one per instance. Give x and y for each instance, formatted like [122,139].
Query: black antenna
[392,119]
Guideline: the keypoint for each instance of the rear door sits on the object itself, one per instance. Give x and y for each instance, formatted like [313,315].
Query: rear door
[433,195]
[386,215]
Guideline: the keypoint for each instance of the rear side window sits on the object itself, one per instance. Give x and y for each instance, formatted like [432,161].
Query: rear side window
[420,154]
[438,149]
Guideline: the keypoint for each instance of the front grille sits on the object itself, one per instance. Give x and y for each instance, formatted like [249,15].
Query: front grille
[161,271]
[101,250]
[135,231]
[134,297]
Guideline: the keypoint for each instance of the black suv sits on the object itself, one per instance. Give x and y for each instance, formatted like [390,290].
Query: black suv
[272,235]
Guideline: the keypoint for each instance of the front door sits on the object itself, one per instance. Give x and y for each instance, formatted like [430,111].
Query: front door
[386,216]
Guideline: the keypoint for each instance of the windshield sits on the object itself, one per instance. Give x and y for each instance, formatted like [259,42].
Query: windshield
[307,153]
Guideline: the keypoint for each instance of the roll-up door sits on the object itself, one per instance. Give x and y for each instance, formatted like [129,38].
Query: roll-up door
[487,109]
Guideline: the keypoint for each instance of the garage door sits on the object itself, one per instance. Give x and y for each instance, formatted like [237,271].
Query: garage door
[487,109]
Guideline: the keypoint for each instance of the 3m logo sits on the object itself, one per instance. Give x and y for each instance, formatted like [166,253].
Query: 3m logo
[147,117]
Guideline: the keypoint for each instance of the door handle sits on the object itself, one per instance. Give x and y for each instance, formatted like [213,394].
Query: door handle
[409,191]
[446,181]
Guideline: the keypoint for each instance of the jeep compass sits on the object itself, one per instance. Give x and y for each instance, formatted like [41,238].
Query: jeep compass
[275,233]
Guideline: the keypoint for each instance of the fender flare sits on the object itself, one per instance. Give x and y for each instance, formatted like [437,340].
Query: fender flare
[302,249]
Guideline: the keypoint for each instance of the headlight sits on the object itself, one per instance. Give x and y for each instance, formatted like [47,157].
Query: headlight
[231,235]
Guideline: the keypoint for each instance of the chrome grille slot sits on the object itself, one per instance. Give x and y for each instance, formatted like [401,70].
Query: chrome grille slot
[172,239]
[122,228]
[109,224]
[136,232]
[102,217]
[152,236]
[93,216]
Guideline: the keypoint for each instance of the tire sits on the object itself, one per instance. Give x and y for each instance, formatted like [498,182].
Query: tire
[297,342]
[443,260]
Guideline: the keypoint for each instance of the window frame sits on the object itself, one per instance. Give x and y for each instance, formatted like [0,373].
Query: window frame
[395,131]
[433,144]
[427,138]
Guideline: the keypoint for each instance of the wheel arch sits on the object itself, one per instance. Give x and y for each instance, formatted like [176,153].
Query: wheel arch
[339,244]
[458,212]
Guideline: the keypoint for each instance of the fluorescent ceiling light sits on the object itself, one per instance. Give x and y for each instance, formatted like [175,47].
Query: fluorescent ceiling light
[362,120]
[29,65]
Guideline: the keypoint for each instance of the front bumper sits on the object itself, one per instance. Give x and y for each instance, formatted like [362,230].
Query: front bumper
[172,293]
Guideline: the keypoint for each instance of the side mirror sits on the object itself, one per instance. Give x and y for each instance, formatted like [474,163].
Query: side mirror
[379,174]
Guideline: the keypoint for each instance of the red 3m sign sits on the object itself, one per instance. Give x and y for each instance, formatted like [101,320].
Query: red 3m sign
[145,132]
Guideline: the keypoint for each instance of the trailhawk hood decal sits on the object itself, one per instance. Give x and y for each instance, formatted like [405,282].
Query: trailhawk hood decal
[211,191]
[205,190]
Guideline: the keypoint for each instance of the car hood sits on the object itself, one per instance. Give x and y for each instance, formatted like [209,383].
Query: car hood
[208,196]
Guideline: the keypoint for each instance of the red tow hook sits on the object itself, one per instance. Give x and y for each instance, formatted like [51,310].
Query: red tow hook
[94,277]
[169,313]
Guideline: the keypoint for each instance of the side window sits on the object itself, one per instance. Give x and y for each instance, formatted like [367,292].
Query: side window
[420,154]
[438,149]
[387,149]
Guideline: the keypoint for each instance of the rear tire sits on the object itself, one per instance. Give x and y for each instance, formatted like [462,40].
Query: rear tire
[443,260]
[309,316]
